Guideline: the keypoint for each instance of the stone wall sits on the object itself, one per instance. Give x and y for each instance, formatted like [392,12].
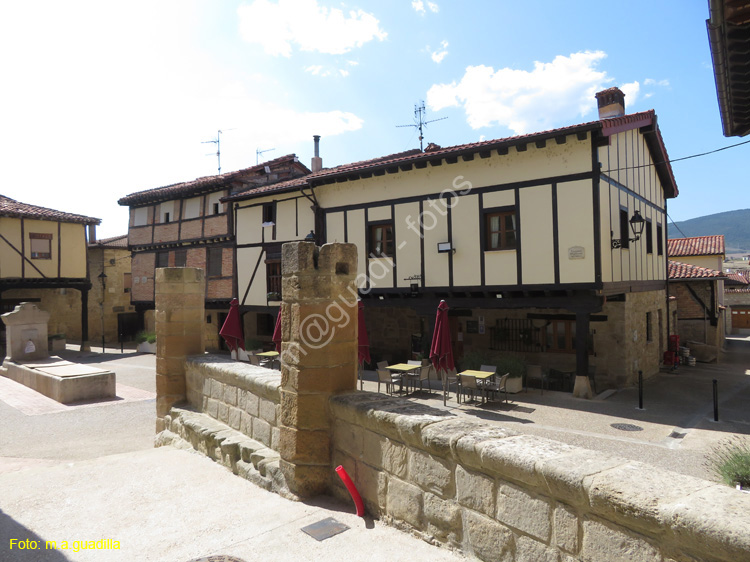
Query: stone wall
[243,396]
[499,495]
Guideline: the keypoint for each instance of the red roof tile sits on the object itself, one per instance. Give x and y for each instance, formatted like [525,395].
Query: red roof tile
[15,209]
[114,242]
[736,278]
[678,271]
[210,183]
[696,246]
[415,157]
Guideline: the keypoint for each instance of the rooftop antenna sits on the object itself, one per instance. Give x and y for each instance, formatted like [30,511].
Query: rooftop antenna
[419,122]
[217,142]
[258,152]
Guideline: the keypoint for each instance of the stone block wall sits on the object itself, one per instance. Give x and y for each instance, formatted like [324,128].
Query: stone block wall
[245,397]
[499,495]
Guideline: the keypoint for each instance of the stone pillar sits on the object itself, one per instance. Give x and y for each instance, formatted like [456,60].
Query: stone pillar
[318,356]
[179,300]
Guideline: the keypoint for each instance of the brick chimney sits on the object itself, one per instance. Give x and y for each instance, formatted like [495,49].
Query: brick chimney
[611,103]
[317,161]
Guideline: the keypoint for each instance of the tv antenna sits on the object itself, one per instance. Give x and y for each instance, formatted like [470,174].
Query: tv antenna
[419,122]
[258,152]
[217,142]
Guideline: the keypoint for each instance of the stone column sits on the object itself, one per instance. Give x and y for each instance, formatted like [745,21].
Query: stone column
[318,356]
[179,300]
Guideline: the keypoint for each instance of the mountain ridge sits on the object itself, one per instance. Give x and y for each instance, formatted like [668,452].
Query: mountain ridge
[734,225]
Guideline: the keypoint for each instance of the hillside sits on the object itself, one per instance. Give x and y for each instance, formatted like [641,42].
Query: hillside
[734,225]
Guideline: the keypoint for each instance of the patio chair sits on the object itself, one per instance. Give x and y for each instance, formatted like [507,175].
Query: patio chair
[488,368]
[499,386]
[535,372]
[424,375]
[451,377]
[382,364]
[469,384]
[254,360]
[389,379]
[413,362]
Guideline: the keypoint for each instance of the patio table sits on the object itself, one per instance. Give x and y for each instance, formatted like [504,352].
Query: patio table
[481,376]
[406,371]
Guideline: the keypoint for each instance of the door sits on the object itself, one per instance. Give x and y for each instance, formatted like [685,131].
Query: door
[741,317]
[127,326]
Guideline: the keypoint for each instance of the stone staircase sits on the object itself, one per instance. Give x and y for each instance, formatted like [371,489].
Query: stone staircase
[250,459]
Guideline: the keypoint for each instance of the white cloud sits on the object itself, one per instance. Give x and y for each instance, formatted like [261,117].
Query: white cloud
[441,53]
[277,27]
[652,82]
[418,6]
[526,101]
[324,72]
[631,91]
[123,106]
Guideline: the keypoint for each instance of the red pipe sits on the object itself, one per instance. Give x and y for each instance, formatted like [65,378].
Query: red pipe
[341,471]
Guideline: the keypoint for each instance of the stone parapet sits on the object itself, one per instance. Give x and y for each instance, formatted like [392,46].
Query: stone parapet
[243,396]
[500,495]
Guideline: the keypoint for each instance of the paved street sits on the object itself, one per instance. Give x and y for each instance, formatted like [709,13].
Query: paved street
[89,471]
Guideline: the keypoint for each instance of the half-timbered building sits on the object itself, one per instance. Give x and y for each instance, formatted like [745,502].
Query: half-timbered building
[550,245]
[186,224]
[43,259]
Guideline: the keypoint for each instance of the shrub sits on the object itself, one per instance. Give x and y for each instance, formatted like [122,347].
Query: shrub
[144,336]
[252,343]
[473,360]
[730,461]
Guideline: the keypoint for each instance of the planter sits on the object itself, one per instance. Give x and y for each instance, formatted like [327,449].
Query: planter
[741,489]
[145,347]
[57,344]
[514,385]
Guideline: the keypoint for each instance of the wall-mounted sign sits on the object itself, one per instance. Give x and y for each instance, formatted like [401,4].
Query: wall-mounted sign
[576,253]
[413,278]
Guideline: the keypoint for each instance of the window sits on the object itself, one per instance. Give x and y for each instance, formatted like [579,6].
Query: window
[649,238]
[140,216]
[649,329]
[162,259]
[269,213]
[216,209]
[273,278]
[624,229]
[180,258]
[166,217]
[659,243]
[214,262]
[560,337]
[127,282]
[381,240]
[500,229]
[41,246]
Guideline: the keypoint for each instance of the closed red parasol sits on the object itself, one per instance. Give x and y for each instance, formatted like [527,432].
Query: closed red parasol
[441,350]
[231,331]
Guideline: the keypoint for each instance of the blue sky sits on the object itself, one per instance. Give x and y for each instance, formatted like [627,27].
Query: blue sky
[101,99]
